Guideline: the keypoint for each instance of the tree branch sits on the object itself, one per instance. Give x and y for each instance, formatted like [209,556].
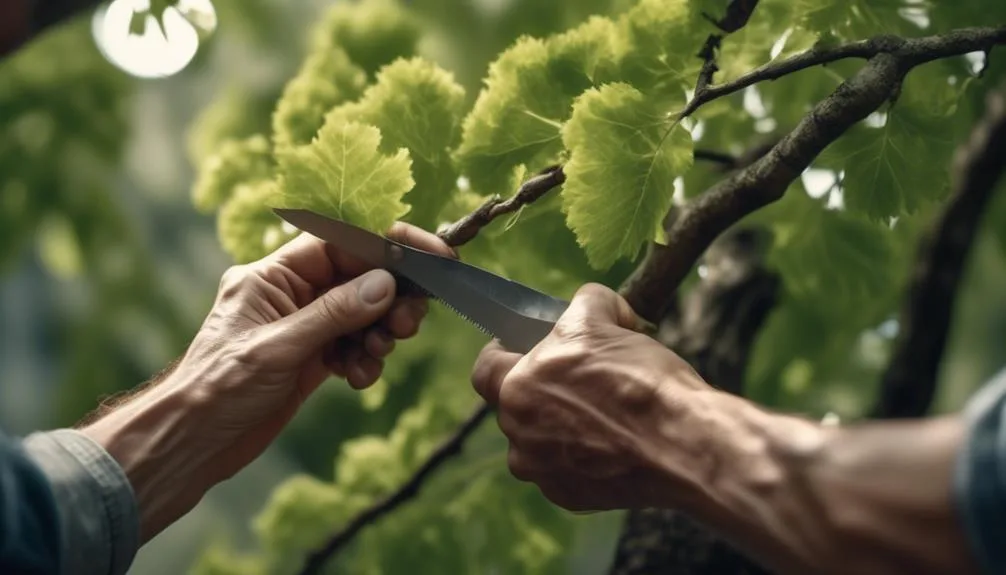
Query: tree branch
[908,385]
[465,229]
[758,185]
[914,51]
[454,235]
[650,288]
[449,449]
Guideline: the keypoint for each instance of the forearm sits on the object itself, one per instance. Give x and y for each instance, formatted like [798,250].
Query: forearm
[801,498]
[155,438]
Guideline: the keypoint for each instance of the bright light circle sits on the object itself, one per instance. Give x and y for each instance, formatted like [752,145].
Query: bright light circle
[152,54]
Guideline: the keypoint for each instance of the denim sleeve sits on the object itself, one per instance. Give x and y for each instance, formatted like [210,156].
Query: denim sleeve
[29,519]
[980,476]
[98,524]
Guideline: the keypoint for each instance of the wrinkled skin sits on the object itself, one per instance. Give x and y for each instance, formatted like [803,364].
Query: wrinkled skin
[278,328]
[583,411]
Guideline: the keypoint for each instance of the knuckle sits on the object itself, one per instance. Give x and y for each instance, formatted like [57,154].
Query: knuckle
[568,329]
[481,373]
[560,360]
[509,424]
[519,466]
[516,400]
[592,290]
[234,280]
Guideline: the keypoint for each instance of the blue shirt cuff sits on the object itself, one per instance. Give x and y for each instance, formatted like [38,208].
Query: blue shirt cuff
[99,518]
[980,476]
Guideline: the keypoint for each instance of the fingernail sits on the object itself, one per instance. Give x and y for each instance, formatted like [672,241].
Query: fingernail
[375,287]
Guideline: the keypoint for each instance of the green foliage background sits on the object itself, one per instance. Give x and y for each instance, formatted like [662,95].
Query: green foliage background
[132,198]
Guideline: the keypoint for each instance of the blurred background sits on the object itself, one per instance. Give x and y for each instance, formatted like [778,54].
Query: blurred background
[108,268]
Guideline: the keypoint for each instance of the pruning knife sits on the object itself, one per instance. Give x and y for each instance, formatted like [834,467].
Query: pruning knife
[515,314]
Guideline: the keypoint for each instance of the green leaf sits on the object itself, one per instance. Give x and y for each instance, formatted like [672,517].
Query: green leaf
[843,263]
[624,156]
[236,162]
[661,40]
[857,19]
[418,106]
[327,78]
[516,119]
[772,33]
[898,160]
[235,114]
[588,54]
[343,174]
[302,513]
[247,227]
[516,122]
[372,32]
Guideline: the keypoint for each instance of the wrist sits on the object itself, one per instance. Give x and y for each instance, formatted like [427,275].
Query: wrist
[155,438]
[741,471]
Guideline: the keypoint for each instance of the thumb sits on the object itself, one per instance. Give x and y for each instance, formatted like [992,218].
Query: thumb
[342,310]
[595,303]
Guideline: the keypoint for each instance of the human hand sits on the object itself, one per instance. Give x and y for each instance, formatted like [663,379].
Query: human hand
[589,411]
[278,328]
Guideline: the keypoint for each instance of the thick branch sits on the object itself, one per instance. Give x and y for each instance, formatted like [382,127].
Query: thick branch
[758,185]
[915,51]
[455,235]
[909,383]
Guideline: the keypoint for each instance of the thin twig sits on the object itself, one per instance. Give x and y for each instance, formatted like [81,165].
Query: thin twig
[652,286]
[914,50]
[737,14]
[454,235]
[465,229]
[908,385]
[447,451]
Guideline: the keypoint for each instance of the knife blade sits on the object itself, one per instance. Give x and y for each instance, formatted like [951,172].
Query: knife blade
[517,315]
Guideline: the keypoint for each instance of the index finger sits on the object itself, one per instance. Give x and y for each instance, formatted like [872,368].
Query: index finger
[594,302]
[491,368]
[400,232]
[420,239]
